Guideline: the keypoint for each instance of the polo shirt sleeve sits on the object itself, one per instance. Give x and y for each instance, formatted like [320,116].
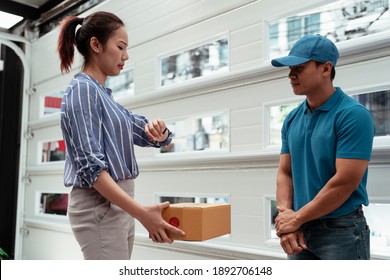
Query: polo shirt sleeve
[355,133]
[285,149]
[84,124]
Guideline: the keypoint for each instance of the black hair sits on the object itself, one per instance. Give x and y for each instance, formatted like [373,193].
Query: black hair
[99,24]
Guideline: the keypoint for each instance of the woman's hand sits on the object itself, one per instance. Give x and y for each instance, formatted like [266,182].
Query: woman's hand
[149,216]
[157,130]
[157,227]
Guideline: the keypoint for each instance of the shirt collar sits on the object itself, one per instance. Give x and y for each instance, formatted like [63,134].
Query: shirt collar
[330,103]
[82,74]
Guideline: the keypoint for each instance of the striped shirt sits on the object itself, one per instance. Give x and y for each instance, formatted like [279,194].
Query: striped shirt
[99,134]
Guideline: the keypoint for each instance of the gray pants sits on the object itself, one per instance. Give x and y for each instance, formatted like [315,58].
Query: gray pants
[103,230]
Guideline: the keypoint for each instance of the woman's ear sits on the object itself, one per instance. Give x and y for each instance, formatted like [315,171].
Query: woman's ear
[94,44]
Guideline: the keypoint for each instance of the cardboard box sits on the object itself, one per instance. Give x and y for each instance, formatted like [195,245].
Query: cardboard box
[200,221]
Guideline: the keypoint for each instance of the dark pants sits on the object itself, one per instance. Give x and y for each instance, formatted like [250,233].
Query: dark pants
[343,238]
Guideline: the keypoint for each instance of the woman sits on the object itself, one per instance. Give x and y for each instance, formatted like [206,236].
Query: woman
[100,135]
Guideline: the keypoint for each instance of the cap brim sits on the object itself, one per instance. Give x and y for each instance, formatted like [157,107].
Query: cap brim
[288,61]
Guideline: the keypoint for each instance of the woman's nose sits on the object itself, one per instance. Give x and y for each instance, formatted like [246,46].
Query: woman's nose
[125,56]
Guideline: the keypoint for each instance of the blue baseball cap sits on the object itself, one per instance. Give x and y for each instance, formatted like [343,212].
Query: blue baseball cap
[309,47]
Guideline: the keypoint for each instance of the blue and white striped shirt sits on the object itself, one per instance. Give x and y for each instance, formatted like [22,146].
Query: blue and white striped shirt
[99,134]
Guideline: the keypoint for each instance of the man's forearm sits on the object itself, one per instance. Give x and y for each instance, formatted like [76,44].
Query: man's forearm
[284,192]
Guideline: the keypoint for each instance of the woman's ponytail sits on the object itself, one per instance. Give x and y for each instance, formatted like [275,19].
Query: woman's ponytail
[67,41]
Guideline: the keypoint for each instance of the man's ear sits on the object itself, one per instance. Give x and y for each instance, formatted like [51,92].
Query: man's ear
[94,44]
[328,68]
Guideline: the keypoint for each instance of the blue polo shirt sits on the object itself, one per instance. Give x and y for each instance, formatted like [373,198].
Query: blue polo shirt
[340,128]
